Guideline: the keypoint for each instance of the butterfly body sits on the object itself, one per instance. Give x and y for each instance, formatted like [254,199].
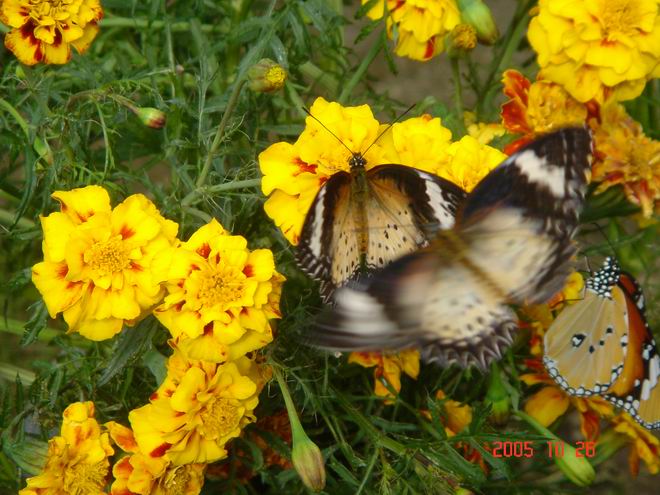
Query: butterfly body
[603,345]
[511,244]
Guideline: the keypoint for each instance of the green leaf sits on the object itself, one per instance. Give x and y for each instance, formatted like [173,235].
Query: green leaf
[36,323]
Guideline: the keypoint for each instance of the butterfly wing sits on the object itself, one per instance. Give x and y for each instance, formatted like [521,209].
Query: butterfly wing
[460,285]
[331,228]
[403,207]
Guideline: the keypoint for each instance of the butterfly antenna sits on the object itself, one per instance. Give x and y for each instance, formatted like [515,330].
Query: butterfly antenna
[389,126]
[332,133]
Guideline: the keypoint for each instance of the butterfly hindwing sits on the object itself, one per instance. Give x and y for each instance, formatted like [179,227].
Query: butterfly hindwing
[508,245]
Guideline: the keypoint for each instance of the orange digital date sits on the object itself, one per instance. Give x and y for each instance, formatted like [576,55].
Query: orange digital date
[526,449]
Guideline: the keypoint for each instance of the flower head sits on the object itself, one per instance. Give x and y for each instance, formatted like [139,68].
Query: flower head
[420,25]
[142,474]
[388,369]
[266,76]
[97,267]
[77,462]
[597,49]
[644,445]
[477,14]
[45,30]
[220,295]
[625,155]
[199,408]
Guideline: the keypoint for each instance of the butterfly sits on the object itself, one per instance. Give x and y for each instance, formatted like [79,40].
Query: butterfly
[511,244]
[603,345]
[363,219]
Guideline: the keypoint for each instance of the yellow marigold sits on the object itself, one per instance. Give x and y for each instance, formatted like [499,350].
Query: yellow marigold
[294,173]
[198,409]
[97,267]
[420,25]
[45,30]
[468,162]
[388,369]
[77,461]
[625,155]
[220,295]
[644,445]
[482,131]
[141,474]
[597,49]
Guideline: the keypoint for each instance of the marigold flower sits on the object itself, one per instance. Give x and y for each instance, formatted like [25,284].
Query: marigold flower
[220,295]
[420,25]
[477,14]
[266,76]
[537,108]
[141,474]
[625,155]
[199,408]
[644,445]
[484,132]
[597,49]
[388,368]
[294,173]
[77,461]
[461,40]
[45,30]
[97,267]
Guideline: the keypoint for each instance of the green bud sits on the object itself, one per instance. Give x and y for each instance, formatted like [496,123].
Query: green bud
[266,76]
[461,40]
[43,150]
[151,117]
[498,397]
[478,15]
[307,459]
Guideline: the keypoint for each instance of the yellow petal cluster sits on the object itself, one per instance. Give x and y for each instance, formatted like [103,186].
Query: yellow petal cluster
[597,49]
[142,474]
[220,295]
[388,369]
[98,261]
[45,30]
[643,444]
[199,407]
[625,155]
[420,25]
[294,173]
[77,461]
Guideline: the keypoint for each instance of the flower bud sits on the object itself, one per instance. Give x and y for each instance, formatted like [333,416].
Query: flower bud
[578,470]
[266,76]
[307,460]
[478,15]
[461,39]
[43,149]
[151,117]
[498,397]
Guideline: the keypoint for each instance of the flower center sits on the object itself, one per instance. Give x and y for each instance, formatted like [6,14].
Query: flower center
[176,480]
[107,257]
[82,478]
[220,418]
[645,159]
[223,286]
[619,17]
[52,10]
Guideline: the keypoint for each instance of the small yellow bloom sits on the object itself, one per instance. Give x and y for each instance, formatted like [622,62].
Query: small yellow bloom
[482,131]
[266,76]
[468,162]
[571,293]
[77,462]
[644,445]
[625,155]
[597,49]
[45,30]
[420,25]
[141,474]
[220,295]
[388,369]
[97,267]
[198,409]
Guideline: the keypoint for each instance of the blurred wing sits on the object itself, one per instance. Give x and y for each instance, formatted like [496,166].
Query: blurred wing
[637,390]
[519,220]
[421,300]
[329,247]
[405,207]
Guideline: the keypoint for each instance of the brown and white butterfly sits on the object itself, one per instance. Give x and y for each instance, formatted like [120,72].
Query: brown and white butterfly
[511,244]
[363,219]
[603,345]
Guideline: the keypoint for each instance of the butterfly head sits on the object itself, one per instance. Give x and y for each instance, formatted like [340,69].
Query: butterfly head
[604,279]
[357,161]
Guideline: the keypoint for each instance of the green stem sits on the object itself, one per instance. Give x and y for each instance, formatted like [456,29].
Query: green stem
[360,71]
[8,218]
[145,23]
[288,401]
[458,90]
[226,186]
[231,105]
[17,116]
[9,372]
[16,327]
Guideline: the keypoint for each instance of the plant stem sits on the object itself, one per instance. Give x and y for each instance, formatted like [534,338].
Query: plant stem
[16,327]
[7,217]
[458,89]
[231,105]
[226,186]
[145,23]
[288,401]
[359,73]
